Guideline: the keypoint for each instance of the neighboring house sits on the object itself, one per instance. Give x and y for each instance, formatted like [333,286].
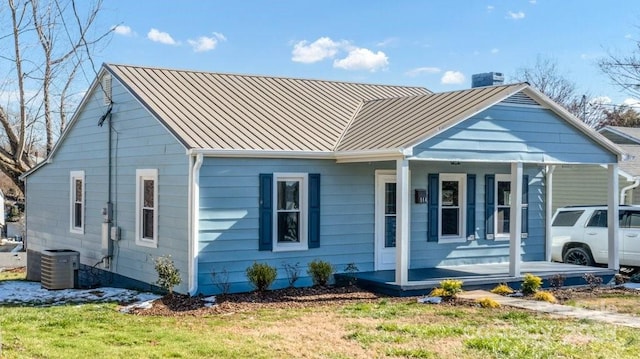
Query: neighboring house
[593,187]
[220,171]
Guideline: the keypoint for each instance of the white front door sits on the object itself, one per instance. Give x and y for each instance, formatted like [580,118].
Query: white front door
[385,212]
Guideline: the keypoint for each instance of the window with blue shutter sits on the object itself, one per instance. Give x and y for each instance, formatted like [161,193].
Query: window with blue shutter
[525,206]
[289,211]
[498,206]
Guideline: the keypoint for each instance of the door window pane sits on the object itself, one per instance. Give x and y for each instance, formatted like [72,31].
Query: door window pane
[390,215]
[390,231]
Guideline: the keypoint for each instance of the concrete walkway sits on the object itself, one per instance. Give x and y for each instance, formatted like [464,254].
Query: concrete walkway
[558,310]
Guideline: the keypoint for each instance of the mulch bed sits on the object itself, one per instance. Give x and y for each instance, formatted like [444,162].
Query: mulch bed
[182,305]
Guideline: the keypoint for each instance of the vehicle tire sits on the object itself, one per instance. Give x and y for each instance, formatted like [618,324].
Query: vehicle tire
[578,255]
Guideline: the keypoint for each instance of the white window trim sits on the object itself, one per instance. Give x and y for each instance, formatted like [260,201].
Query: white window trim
[73,176]
[462,179]
[501,236]
[144,174]
[303,245]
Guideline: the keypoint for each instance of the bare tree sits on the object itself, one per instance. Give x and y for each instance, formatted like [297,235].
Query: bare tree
[51,43]
[624,70]
[622,116]
[546,77]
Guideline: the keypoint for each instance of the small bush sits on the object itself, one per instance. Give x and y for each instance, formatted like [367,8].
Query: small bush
[320,272]
[451,287]
[593,281]
[351,269]
[438,292]
[502,289]
[261,275]
[488,303]
[619,279]
[293,273]
[221,280]
[545,296]
[530,284]
[168,274]
[557,281]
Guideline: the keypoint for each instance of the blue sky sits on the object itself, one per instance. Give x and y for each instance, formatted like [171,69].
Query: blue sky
[434,44]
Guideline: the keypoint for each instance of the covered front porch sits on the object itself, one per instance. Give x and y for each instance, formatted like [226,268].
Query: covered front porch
[474,276]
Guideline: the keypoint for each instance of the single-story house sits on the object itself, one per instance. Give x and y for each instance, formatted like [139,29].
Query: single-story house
[587,184]
[220,171]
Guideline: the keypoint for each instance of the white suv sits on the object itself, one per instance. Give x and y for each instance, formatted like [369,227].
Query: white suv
[579,235]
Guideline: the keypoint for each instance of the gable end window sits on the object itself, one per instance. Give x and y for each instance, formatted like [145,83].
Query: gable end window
[147,207]
[76,192]
[289,211]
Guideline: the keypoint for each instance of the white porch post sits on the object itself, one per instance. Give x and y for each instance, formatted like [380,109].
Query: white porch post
[402,222]
[515,223]
[612,217]
[548,185]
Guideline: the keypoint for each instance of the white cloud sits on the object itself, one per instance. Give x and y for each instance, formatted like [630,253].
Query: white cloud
[632,102]
[321,49]
[156,35]
[422,70]
[515,15]
[495,50]
[452,78]
[490,8]
[363,59]
[600,100]
[122,30]
[205,43]
[533,2]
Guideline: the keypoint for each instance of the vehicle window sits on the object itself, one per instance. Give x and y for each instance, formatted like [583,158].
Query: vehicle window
[634,219]
[598,219]
[568,218]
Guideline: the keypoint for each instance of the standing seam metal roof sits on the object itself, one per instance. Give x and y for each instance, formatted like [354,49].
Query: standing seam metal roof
[242,112]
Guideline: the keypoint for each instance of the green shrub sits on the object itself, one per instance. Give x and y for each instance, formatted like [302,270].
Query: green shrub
[261,275]
[320,272]
[451,287]
[531,284]
[502,289]
[488,303]
[545,296]
[168,274]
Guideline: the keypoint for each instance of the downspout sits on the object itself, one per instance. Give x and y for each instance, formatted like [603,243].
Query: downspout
[194,208]
[623,192]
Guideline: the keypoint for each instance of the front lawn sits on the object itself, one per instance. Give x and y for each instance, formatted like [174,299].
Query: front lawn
[371,328]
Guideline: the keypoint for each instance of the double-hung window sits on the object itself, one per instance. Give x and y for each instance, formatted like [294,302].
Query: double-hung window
[498,199]
[452,206]
[147,207]
[503,205]
[76,192]
[290,211]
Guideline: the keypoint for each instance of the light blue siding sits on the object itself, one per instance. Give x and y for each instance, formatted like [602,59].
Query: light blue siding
[228,233]
[139,141]
[507,133]
[430,254]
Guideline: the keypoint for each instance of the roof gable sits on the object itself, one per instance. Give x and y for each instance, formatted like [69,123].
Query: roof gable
[621,135]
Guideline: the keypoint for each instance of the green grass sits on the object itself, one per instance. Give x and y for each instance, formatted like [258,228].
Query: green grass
[385,329]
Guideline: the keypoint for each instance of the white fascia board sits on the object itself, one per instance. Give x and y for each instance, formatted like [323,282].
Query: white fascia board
[372,155]
[262,153]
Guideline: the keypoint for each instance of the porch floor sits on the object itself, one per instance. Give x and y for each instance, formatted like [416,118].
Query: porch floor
[474,276]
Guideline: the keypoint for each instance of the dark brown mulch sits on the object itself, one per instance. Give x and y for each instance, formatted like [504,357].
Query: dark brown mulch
[181,305]
[565,294]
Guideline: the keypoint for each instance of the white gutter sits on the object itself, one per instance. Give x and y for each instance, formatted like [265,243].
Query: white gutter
[340,156]
[623,191]
[194,206]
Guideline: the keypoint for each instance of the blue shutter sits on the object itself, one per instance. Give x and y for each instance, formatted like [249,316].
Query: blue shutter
[489,204]
[314,210]
[265,216]
[471,205]
[525,200]
[433,199]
